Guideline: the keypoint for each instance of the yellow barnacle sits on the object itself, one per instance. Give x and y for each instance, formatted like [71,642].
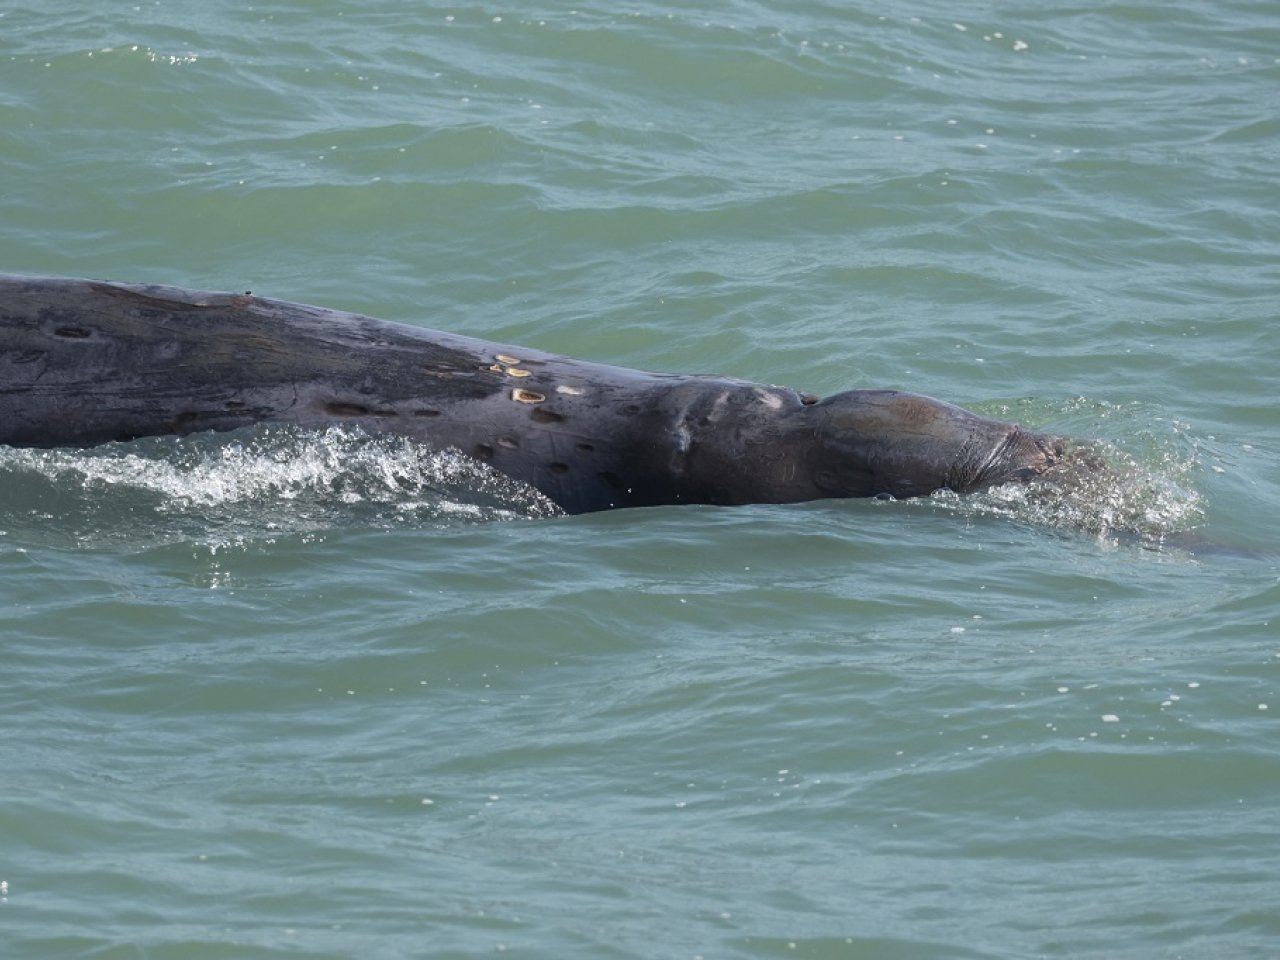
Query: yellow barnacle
[517,372]
[526,396]
[509,361]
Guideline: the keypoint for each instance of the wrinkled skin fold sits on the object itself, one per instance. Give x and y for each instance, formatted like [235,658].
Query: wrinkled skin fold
[86,362]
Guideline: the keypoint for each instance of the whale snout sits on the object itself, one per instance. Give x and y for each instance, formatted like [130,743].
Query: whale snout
[884,442]
[1021,455]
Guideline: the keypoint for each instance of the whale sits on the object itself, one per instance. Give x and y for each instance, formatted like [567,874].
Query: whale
[86,362]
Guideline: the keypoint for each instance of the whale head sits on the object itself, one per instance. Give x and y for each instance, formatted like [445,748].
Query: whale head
[892,444]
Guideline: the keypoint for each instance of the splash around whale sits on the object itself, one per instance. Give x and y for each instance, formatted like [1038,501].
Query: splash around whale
[85,362]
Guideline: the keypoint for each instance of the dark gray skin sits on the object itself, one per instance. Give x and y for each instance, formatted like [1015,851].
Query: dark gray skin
[86,362]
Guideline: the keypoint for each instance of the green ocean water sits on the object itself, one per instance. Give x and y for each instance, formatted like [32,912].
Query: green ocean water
[287,694]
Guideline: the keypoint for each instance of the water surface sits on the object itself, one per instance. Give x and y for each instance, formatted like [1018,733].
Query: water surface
[285,694]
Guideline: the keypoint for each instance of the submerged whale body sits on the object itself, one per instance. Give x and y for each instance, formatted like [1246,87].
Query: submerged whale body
[84,362]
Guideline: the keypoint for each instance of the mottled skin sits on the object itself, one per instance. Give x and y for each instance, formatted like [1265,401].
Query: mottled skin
[85,362]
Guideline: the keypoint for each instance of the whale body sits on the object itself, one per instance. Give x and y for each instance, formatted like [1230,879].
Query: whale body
[86,362]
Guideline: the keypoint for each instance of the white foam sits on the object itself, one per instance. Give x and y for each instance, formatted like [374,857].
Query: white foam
[278,477]
[1118,494]
[281,463]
